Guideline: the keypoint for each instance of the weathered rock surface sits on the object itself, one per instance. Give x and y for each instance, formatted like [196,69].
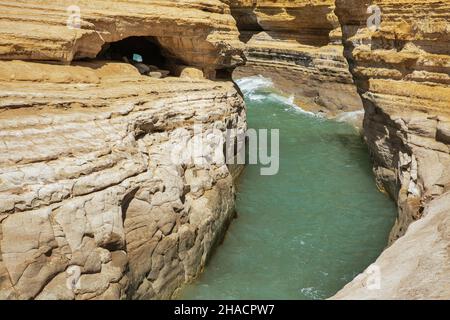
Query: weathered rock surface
[200,33]
[402,73]
[298,45]
[99,197]
[416,266]
[89,191]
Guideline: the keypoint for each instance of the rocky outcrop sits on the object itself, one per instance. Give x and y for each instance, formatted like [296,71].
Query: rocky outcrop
[298,45]
[100,197]
[199,33]
[402,73]
[416,266]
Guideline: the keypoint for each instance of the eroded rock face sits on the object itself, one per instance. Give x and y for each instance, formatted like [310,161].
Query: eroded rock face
[92,205]
[298,45]
[199,33]
[402,73]
[99,197]
[416,266]
[88,179]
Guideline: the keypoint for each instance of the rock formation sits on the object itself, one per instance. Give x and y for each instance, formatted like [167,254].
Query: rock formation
[298,45]
[200,33]
[402,73]
[99,198]
[95,205]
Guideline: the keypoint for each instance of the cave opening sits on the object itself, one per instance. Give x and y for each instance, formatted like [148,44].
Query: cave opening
[224,74]
[144,50]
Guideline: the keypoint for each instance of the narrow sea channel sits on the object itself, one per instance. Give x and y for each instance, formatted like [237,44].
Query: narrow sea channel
[307,231]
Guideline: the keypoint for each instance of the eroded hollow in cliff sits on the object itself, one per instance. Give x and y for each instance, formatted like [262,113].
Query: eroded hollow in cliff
[309,25]
[148,48]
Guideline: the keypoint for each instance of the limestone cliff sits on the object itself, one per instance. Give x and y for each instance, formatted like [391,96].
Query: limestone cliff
[200,33]
[92,203]
[298,45]
[402,73]
[87,178]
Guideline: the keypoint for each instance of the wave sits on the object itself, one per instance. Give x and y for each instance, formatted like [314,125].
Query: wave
[350,116]
[259,88]
[250,85]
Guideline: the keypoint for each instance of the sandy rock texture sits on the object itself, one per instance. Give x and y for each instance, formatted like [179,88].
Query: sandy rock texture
[200,33]
[298,44]
[402,73]
[99,195]
[416,266]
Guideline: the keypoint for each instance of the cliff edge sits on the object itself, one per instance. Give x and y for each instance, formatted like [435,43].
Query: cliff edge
[298,44]
[95,203]
[401,69]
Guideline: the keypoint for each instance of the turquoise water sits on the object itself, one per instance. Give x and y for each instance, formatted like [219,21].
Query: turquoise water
[307,231]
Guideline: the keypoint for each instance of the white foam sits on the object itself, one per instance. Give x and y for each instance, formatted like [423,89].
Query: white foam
[257,97]
[255,88]
[289,101]
[252,84]
[298,109]
[311,292]
[350,116]
[259,88]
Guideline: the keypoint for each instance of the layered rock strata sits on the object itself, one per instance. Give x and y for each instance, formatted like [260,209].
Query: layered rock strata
[402,73]
[298,45]
[199,33]
[99,195]
[88,184]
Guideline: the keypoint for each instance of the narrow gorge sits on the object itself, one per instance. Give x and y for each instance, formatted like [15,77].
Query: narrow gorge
[298,44]
[308,230]
[99,107]
[87,187]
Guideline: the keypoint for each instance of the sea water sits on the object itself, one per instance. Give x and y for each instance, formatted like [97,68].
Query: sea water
[307,231]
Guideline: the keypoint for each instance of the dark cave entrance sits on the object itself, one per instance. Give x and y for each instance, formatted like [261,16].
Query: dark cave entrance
[146,47]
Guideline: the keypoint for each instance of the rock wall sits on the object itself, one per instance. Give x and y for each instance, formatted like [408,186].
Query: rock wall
[87,178]
[98,197]
[402,73]
[199,33]
[298,45]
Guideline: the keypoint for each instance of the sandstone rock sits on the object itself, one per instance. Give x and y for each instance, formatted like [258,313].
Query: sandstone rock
[165,73]
[155,74]
[443,132]
[298,45]
[199,32]
[142,68]
[415,266]
[86,177]
[95,187]
[401,71]
[192,73]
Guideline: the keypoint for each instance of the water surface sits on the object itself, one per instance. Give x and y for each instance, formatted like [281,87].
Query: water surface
[306,232]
